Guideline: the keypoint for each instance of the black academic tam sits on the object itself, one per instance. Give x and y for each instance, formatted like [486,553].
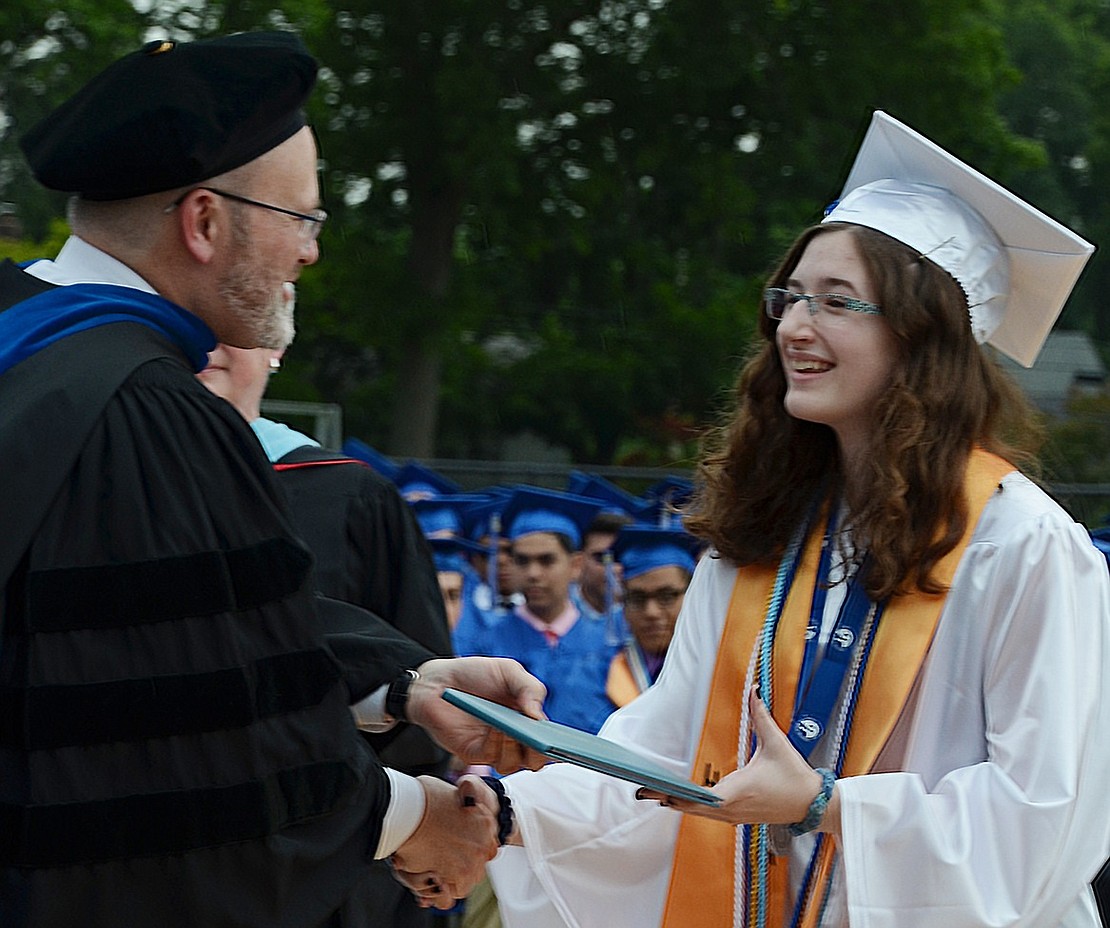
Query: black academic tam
[174,114]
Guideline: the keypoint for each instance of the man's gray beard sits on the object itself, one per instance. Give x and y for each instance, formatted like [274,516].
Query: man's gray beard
[268,315]
[282,322]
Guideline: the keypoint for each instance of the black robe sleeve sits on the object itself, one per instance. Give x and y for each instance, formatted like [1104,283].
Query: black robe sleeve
[368,648]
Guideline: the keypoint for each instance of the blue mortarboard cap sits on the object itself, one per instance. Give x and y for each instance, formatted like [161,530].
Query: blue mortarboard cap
[660,513]
[483,518]
[449,562]
[576,480]
[415,481]
[673,489]
[640,548]
[531,510]
[359,450]
[449,554]
[665,500]
[443,515]
[612,496]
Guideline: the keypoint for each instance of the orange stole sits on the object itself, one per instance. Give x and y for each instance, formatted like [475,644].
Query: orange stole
[621,686]
[704,871]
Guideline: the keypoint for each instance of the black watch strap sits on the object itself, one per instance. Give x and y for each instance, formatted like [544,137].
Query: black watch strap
[397,696]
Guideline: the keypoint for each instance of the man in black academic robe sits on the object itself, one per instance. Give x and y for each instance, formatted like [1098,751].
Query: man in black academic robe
[176,743]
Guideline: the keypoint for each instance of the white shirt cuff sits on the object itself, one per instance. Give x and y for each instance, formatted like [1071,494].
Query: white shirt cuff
[402,818]
[370,714]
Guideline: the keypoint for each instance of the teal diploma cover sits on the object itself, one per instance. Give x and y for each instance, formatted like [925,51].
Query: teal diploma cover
[561,742]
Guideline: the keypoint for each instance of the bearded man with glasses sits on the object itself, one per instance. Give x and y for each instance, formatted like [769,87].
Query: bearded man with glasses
[177,746]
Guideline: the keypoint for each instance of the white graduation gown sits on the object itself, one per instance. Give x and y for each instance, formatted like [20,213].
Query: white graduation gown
[997,809]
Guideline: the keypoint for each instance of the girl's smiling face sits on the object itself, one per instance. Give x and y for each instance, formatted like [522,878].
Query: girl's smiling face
[836,367]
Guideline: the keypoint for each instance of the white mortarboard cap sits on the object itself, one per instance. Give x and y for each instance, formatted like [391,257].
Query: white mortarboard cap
[1015,264]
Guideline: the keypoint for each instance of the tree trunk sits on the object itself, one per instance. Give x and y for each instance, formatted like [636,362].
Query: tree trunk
[436,212]
[416,404]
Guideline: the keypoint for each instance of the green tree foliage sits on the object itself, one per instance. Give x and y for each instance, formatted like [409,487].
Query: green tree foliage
[46,54]
[689,144]
[1062,50]
[418,126]
[586,197]
[1077,453]
[556,217]
[1078,447]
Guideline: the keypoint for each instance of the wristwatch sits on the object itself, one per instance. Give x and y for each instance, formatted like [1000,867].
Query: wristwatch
[397,696]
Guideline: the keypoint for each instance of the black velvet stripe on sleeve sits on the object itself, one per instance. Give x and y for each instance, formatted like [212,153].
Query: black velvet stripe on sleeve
[169,823]
[43,717]
[207,583]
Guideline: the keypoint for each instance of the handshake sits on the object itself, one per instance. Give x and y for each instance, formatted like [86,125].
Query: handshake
[462,829]
[465,824]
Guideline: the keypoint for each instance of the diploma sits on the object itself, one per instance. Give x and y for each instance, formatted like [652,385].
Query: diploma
[560,742]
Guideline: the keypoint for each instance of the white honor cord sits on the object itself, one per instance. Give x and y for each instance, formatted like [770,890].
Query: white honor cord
[739,897]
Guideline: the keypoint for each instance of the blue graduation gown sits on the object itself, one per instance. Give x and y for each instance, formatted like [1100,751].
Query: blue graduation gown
[574,670]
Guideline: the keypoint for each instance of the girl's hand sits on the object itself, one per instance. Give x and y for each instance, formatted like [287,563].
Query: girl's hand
[775,787]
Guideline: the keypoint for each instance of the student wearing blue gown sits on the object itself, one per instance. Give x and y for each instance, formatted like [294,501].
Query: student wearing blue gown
[657,566]
[548,634]
[494,595]
[598,590]
[441,518]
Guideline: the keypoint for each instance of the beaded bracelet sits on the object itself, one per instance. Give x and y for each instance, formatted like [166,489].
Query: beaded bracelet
[505,813]
[818,806]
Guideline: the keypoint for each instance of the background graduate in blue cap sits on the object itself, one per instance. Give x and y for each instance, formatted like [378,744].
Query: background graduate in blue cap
[415,481]
[492,560]
[657,565]
[598,590]
[548,634]
[455,575]
[441,519]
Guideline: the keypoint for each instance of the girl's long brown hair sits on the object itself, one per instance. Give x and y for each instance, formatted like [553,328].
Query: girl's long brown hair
[762,469]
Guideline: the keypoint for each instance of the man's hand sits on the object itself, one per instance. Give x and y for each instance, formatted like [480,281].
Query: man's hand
[445,858]
[496,678]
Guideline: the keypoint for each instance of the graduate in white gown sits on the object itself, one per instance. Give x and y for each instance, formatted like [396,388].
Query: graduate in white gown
[895,665]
